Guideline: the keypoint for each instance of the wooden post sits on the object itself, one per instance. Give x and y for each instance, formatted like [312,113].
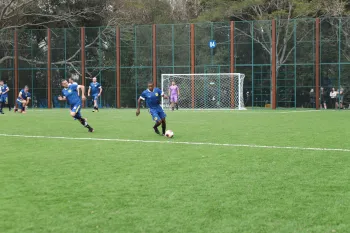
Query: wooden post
[49,86]
[193,64]
[82,42]
[232,62]
[317,64]
[154,53]
[273,65]
[117,65]
[16,66]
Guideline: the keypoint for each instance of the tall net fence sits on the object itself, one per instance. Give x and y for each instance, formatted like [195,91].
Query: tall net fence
[146,52]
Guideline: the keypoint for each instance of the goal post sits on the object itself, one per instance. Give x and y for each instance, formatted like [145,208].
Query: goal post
[206,91]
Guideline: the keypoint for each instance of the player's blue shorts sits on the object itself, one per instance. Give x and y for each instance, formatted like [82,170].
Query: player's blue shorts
[3,99]
[157,113]
[95,97]
[19,101]
[75,107]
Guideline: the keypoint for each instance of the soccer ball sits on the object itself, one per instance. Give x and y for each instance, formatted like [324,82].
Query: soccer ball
[169,134]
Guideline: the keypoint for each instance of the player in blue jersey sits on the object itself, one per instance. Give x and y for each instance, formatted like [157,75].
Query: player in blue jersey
[3,96]
[23,100]
[71,81]
[70,94]
[152,96]
[95,90]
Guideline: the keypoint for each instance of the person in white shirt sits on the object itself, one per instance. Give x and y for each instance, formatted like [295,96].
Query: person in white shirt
[323,98]
[333,94]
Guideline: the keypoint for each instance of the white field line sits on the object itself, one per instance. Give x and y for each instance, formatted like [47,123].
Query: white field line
[180,143]
[199,110]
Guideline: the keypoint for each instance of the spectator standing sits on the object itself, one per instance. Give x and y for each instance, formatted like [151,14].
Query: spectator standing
[341,97]
[312,98]
[323,97]
[333,95]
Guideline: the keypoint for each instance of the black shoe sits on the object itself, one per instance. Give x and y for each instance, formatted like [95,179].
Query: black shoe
[156,130]
[91,130]
[2,113]
[177,107]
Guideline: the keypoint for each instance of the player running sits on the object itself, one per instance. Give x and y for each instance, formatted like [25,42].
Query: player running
[96,91]
[70,93]
[174,93]
[152,97]
[23,100]
[3,96]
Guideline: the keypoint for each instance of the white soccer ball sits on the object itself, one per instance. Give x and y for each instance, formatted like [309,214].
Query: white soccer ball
[169,134]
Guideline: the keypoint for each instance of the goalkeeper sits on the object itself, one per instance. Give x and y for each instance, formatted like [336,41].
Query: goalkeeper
[174,93]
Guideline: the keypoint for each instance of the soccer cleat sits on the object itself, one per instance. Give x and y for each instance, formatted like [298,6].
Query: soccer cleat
[2,113]
[15,110]
[91,130]
[156,130]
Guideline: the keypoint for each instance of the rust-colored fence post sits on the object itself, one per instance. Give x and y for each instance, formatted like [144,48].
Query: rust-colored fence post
[232,61]
[117,65]
[49,95]
[317,63]
[273,65]
[16,65]
[82,42]
[193,64]
[154,53]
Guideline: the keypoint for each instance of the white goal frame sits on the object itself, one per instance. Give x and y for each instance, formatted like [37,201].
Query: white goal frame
[234,84]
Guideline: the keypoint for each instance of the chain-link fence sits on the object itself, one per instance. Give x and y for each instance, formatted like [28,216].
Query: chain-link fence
[146,52]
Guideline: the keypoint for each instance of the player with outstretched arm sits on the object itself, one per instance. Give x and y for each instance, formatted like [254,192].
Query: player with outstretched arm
[96,90]
[23,100]
[152,97]
[4,96]
[70,93]
[174,93]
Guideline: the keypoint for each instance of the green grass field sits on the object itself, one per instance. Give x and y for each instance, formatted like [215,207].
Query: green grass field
[239,171]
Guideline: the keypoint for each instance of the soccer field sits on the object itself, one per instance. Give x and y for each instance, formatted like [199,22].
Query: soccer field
[224,171]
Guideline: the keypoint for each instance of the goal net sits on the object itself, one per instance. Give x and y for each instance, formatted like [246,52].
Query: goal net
[206,91]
